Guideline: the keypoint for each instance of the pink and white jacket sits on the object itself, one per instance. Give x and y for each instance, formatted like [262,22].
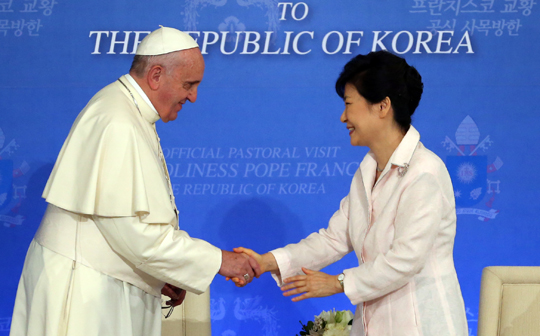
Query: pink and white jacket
[402,229]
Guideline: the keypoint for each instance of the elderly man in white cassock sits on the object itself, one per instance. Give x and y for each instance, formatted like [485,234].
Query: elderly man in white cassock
[109,242]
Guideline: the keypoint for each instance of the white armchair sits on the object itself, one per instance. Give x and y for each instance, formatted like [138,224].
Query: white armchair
[509,301]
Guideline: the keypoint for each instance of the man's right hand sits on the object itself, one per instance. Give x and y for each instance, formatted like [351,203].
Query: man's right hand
[236,265]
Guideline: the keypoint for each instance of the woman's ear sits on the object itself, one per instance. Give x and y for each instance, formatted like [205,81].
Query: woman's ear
[385,106]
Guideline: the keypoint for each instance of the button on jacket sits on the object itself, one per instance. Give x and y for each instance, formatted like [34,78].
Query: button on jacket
[402,229]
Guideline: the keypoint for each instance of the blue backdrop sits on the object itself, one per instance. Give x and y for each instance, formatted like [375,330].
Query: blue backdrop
[261,159]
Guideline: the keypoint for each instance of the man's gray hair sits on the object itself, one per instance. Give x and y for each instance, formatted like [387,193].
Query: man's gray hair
[143,63]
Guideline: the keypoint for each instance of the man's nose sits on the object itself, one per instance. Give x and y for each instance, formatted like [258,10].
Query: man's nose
[192,95]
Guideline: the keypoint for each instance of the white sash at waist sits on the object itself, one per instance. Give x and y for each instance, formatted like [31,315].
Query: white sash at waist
[77,237]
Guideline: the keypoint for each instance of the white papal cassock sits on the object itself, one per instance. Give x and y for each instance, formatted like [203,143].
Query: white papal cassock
[109,239]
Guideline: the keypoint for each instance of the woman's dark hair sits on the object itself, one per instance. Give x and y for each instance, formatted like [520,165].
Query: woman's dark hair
[381,74]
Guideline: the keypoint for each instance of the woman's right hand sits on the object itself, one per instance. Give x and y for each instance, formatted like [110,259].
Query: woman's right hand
[254,255]
[267,262]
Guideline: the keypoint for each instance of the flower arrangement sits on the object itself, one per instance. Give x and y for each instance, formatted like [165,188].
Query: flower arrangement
[329,323]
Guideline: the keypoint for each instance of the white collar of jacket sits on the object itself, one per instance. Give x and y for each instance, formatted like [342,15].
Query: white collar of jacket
[146,108]
[404,152]
[401,156]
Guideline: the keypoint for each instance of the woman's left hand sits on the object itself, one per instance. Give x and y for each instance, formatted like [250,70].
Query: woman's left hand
[313,284]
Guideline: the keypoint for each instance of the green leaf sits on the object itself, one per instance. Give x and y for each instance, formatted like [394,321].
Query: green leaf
[305,329]
[339,317]
[310,325]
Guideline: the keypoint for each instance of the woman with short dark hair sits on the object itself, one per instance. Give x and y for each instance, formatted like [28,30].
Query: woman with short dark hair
[399,216]
[381,74]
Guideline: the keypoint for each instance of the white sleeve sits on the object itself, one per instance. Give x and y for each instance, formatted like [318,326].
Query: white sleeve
[163,252]
[319,249]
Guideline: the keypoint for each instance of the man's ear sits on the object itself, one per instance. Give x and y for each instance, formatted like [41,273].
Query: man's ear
[154,77]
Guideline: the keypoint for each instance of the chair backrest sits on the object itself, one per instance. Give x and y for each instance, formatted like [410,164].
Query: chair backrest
[509,301]
[190,318]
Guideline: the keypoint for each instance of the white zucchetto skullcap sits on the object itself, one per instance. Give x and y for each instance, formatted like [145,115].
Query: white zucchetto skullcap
[165,40]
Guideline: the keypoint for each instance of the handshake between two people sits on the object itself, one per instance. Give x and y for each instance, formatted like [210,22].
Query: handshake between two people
[309,285]
[242,265]
[238,266]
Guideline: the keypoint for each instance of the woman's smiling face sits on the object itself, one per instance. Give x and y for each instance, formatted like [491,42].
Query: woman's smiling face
[360,116]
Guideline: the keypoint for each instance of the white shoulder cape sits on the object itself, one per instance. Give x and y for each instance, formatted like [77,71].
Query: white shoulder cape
[109,164]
